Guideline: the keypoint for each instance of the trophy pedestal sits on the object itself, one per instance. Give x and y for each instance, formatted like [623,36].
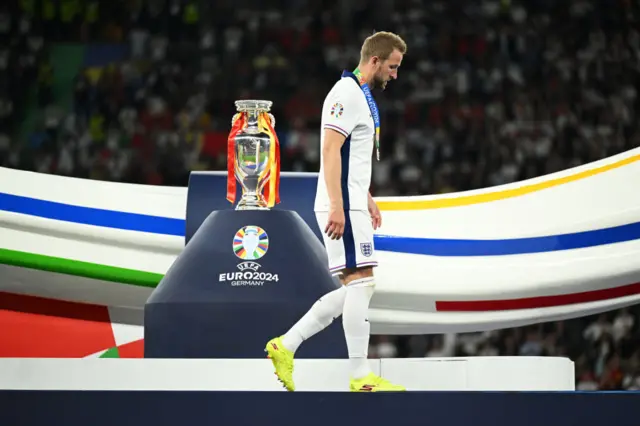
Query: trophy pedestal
[244,277]
[252,202]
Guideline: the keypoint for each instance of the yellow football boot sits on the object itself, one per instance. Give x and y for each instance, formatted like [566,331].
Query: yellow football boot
[282,359]
[373,383]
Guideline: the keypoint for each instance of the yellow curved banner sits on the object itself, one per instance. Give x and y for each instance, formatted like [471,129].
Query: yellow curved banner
[500,195]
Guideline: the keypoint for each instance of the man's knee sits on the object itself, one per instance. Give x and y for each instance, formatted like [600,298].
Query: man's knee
[350,275]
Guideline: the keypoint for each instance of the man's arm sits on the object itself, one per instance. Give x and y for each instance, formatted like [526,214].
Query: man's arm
[332,163]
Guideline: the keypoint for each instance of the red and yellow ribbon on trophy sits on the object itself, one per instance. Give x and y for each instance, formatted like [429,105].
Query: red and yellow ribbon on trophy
[271,173]
[272,189]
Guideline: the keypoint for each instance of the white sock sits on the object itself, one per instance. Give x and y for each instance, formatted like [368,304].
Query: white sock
[321,314]
[355,320]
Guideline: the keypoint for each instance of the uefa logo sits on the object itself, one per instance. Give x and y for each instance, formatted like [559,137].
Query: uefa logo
[250,243]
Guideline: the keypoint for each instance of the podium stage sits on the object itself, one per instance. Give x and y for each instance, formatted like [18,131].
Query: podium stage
[500,391]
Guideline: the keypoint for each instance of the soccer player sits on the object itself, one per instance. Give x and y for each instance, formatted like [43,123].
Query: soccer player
[347,213]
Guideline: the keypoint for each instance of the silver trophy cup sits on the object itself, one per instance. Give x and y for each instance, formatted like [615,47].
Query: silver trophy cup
[252,155]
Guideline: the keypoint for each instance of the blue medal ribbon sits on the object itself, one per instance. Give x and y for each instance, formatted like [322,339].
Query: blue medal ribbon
[373,106]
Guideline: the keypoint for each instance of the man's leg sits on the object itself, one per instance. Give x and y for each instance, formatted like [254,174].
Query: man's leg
[319,317]
[359,285]
[359,281]
[352,301]
[329,306]
[282,349]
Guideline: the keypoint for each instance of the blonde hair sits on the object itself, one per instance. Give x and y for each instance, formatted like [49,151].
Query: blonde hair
[382,44]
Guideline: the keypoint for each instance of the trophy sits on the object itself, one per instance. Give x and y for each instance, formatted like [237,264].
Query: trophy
[253,156]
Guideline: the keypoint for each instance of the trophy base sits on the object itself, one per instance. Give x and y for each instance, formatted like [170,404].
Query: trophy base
[252,202]
[251,207]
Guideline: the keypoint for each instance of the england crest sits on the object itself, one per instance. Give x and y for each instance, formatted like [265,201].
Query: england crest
[366,249]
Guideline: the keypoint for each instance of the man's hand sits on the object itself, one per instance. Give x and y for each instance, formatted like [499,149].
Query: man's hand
[335,223]
[374,211]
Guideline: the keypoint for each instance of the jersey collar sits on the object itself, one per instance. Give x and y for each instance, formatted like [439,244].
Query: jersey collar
[346,73]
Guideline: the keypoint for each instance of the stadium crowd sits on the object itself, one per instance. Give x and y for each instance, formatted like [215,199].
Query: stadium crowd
[490,92]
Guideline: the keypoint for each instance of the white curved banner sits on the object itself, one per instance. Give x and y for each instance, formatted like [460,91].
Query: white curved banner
[559,246]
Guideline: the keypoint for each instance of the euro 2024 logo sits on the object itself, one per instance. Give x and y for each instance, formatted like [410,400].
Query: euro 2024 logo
[250,243]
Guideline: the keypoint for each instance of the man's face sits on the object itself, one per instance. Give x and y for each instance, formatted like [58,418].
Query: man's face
[387,70]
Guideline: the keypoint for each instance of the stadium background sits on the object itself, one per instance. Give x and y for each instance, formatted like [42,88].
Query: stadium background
[490,92]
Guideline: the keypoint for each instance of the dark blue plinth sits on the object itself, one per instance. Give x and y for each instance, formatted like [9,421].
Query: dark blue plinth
[135,408]
[214,304]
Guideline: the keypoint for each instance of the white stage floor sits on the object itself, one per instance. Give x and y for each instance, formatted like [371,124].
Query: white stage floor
[417,374]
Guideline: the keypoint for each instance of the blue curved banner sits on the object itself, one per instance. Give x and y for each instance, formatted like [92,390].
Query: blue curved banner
[91,216]
[455,247]
[410,245]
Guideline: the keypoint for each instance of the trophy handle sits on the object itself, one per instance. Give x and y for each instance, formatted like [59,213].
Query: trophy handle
[235,117]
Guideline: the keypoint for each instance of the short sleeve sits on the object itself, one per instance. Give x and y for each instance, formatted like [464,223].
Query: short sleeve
[341,111]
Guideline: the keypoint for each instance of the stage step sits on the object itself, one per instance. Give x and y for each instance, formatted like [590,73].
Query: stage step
[445,391]
[417,374]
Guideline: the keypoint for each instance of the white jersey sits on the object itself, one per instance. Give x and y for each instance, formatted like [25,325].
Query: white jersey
[345,110]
